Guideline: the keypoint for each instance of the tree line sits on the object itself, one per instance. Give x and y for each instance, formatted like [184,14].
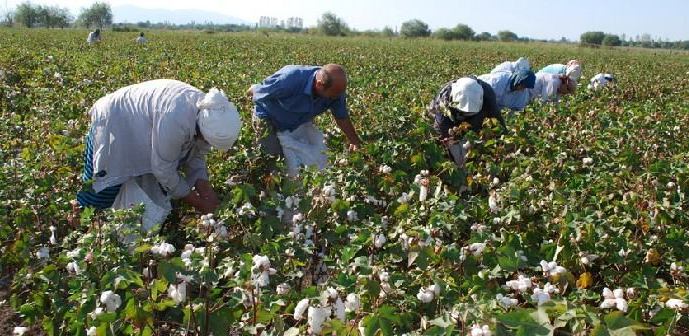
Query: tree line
[31,16]
[100,15]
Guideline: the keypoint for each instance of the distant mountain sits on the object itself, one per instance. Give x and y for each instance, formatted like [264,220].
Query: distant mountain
[133,14]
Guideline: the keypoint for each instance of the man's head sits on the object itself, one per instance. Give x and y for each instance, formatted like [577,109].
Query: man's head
[141,34]
[330,82]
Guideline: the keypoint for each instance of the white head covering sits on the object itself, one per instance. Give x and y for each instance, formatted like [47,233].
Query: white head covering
[573,70]
[467,95]
[218,120]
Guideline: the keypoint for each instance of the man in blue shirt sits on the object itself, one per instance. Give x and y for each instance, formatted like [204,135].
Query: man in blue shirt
[294,95]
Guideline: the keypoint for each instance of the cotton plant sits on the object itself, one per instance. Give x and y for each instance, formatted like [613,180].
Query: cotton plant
[111,300]
[551,268]
[163,249]
[479,330]
[506,301]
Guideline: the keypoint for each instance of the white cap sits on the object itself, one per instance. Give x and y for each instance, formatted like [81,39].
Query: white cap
[218,120]
[467,95]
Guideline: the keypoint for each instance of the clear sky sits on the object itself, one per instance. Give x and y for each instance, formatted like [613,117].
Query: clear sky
[548,19]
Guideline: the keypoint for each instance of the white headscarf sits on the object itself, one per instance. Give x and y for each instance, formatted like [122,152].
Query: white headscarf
[218,120]
[573,70]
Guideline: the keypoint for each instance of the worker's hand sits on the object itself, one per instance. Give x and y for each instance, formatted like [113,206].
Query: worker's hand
[354,147]
[207,206]
[206,193]
[250,91]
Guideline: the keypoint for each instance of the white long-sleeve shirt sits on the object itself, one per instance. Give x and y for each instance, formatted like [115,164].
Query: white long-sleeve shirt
[149,128]
[546,87]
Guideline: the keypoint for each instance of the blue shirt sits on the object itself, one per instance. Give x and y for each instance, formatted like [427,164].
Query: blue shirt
[555,69]
[500,82]
[286,98]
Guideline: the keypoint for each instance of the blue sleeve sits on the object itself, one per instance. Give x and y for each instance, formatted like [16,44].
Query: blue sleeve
[273,87]
[339,108]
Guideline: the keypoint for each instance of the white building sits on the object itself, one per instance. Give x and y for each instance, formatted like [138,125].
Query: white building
[295,23]
[267,22]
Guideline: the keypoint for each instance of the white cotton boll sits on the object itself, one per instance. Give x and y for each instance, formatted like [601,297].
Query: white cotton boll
[466,145]
[435,289]
[339,310]
[379,240]
[384,169]
[163,249]
[19,331]
[91,331]
[608,303]
[283,289]
[74,253]
[111,300]
[621,305]
[329,193]
[178,292]
[383,276]
[618,293]
[300,309]
[316,318]
[352,215]
[522,283]
[676,304]
[493,203]
[352,302]
[425,295]
[622,253]
[43,253]
[506,301]
[540,296]
[423,193]
[404,198]
[298,217]
[73,268]
[477,248]
[247,210]
[95,313]
[587,161]
[551,289]
[328,295]
[477,330]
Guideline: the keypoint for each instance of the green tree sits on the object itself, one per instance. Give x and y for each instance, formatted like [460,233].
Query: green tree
[388,32]
[594,37]
[463,32]
[484,36]
[507,36]
[26,15]
[444,34]
[611,40]
[415,28]
[331,25]
[98,15]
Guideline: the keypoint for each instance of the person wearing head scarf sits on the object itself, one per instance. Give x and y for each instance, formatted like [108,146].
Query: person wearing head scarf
[572,69]
[161,129]
[600,81]
[549,87]
[141,39]
[93,37]
[510,88]
[509,66]
[464,100]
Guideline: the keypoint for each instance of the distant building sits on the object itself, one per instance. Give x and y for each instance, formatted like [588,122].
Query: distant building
[295,23]
[267,22]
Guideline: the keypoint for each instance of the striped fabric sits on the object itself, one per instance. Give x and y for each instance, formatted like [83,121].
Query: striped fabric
[89,198]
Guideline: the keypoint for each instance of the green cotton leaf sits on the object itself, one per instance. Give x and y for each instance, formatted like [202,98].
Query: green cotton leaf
[663,316]
[523,323]
[371,325]
[348,253]
[169,268]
